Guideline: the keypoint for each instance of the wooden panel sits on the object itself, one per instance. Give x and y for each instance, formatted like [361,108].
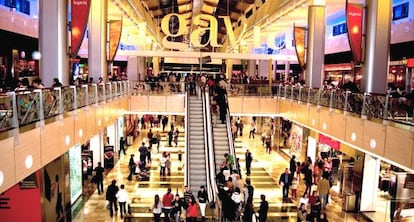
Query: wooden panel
[67,131]
[50,142]
[235,104]
[374,137]
[267,105]
[175,104]
[251,105]
[325,120]
[398,146]
[313,120]
[354,130]
[91,122]
[99,117]
[7,164]
[80,125]
[139,103]
[338,121]
[157,104]
[284,106]
[27,153]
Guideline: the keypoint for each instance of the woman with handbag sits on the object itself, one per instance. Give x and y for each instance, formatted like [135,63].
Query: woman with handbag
[192,211]
[156,208]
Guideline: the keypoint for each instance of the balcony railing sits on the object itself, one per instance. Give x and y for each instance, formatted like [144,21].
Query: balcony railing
[366,105]
[20,108]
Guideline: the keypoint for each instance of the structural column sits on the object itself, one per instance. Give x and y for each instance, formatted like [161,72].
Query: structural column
[229,68]
[370,183]
[155,66]
[251,67]
[132,68]
[378,29]
[97,40]
[287,71]
[270,70]
[315,45]
[54,62]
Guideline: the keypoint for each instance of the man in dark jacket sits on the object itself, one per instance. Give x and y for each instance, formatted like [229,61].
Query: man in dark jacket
[132,166]
[264,207]
[99,170]
[285,180]
[111,197]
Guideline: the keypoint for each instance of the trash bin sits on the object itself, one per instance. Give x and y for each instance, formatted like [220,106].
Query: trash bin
[348,202]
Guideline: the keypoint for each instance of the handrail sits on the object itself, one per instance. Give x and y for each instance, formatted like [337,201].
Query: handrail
[212,159]
[186,139]
[230,135]
[207,147]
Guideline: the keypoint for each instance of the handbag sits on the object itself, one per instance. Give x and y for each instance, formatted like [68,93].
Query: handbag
[212,205]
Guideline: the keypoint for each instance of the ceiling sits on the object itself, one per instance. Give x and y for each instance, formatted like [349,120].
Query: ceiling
[272,16]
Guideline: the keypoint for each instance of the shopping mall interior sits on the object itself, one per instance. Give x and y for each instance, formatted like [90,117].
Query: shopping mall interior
[307,102]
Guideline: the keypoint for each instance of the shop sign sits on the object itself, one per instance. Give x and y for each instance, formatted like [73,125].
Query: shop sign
[79,16]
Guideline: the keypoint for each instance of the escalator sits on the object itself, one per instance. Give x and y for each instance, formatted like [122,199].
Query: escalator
[196,154]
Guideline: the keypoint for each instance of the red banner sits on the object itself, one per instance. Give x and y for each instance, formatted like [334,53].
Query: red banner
[299,37]
[80,15]
[354,18]
[328,141]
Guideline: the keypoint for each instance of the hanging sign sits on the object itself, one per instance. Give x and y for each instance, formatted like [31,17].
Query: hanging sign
[115,30]
[80,15]
[354,17]
[299,37]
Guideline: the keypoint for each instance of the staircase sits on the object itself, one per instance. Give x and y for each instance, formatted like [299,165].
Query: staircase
[220,139]
[195,134]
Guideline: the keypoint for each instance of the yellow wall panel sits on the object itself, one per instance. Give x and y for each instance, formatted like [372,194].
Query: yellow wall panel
[267,105]
[91,122]
[157,103]
[7,163]
[175,104]
[139,103]
[354,130]
[313,120]
[67,133]
[374,137]
[235,104]
[50,142]
[80,125]
[27,153]
[338,125]
[398,145]
[325,120]
[251,105]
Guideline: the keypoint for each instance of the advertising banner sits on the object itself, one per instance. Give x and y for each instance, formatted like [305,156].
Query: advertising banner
[79,16]
[354,18]
[115,31]
[108,156]
[299,37]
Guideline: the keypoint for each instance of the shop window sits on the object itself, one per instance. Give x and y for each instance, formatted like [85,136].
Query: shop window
[400,11]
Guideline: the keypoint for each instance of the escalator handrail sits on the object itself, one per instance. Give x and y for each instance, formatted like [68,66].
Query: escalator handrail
[212,159]
[207,149]
[186,139]
[229,134]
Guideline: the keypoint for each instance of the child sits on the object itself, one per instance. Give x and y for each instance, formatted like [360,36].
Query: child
[294,187]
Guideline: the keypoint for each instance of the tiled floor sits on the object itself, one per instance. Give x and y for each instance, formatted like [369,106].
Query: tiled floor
[266,169]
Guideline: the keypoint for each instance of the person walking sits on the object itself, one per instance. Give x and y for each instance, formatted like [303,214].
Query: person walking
[121,146]
[99,170]
[156,208]
[292,165]
[285,181]
[132,167]
[158,138]
[202,201]
[122,197]
[170,137]
[167,200]
[143,150]
[263,208]
[111,192]
[248,159]
[177,206]
[323,190]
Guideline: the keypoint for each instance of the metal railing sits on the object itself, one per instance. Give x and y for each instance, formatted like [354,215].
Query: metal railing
[21,108]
